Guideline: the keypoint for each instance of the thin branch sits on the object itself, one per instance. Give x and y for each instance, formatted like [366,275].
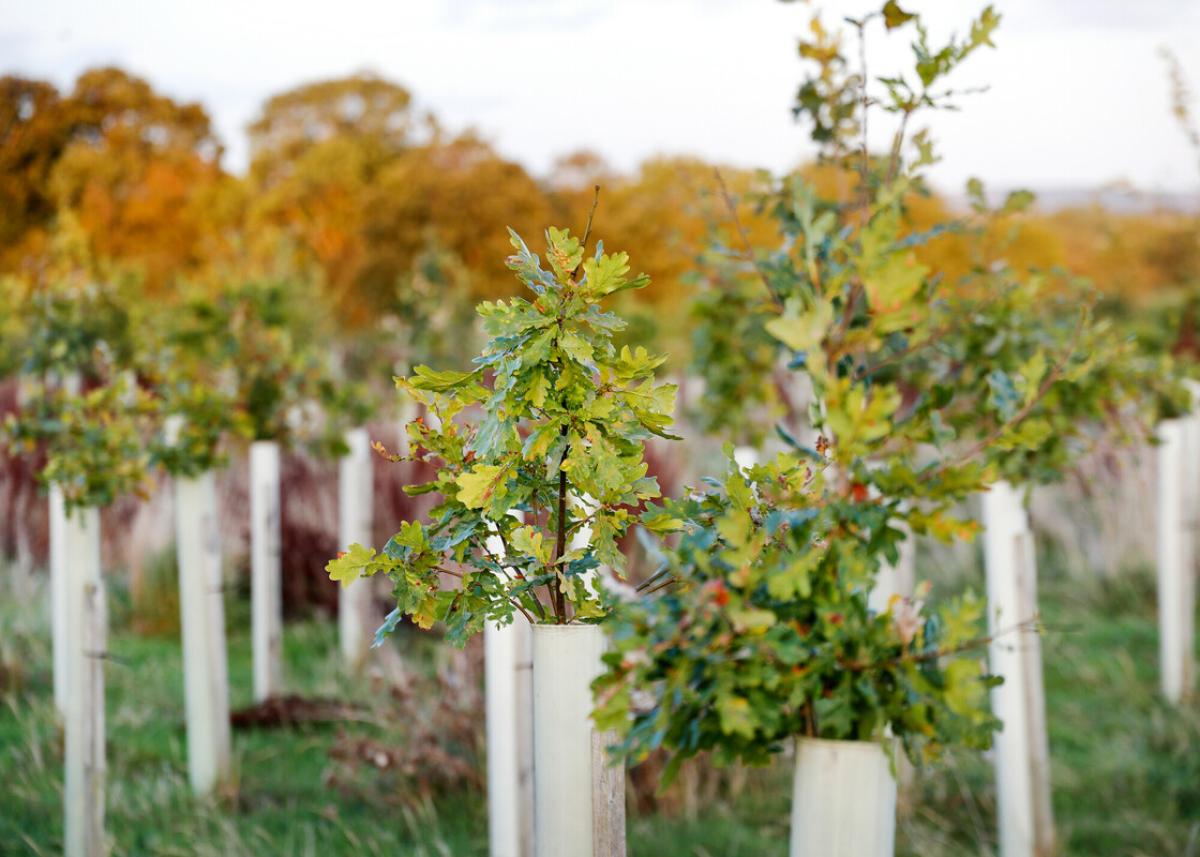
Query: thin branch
[936,654]
[509,598]
[865,166]
[652,579]
[587,230]
[671,582]
[747,247]
[560,545]
[1052,376]
[898,147]
[516,603]
[504,568]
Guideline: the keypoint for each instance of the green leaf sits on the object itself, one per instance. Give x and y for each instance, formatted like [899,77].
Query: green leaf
[660,521]
[1017,201]
[1030,376]
[795,578]
[576,346]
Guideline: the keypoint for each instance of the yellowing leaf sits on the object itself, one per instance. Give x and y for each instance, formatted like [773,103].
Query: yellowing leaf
[607,275]
[894,16]
[531,542]
[563,252]
[350,565]
[476,486]
[752,620]
[536,395]
[736,715]
[802,331]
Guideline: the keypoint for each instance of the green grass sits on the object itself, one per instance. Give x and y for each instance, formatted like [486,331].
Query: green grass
[1126,767]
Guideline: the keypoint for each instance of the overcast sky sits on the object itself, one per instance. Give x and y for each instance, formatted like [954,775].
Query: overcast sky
[1078,96]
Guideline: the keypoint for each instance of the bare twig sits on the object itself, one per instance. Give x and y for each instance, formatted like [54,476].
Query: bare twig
[747,247]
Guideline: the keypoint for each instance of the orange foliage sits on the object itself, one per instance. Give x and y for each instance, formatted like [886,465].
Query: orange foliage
[354,183]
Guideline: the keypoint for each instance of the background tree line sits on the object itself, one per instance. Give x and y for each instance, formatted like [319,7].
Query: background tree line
[352,184]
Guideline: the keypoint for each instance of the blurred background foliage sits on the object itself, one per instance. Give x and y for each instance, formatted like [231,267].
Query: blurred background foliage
[352,185]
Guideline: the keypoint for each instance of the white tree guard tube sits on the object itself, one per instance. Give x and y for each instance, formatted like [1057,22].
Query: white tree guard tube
[897,578]
[508,689]
[508,677]
[802,397]
[407,413]
[1021,752]
[84,758]
[266,596]
[355,515]
[745,457]
[60,627]
[569,775]
[202,613]
[1176,559]
[600,579]
[843,800]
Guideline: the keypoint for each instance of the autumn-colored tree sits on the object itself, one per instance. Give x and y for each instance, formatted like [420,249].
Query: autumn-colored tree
[462,194]
[317,151]
[140,171]
[33,134]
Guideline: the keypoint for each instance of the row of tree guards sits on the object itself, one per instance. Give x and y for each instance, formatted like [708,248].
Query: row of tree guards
[927,386]
[79,623]
[542,674]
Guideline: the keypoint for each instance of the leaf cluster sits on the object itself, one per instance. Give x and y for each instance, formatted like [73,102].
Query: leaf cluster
[767,633]
[539,454]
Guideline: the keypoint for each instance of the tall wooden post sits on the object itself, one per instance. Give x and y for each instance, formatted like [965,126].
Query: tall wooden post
[1022,756]
[355,495]
[266,582]
[202,613]
[84,757]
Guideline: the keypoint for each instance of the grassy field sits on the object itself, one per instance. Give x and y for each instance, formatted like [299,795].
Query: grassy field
[1126,768]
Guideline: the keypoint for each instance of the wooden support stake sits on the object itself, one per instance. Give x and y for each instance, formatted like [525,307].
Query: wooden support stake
[608,798]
